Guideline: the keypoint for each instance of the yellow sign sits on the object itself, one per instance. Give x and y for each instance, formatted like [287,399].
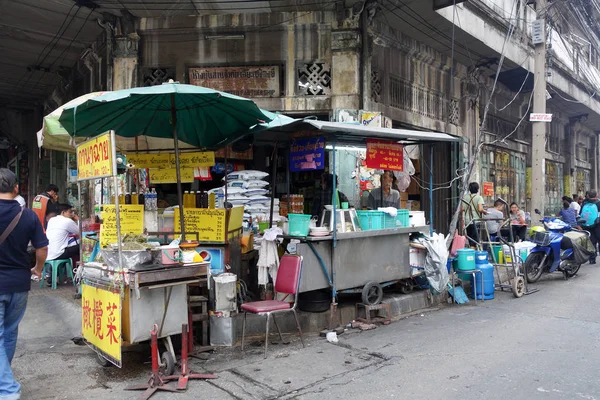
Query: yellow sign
[101,321]
[132,221]
[170,175]
[195,159]
[209,223]
[149,160]
[94,158]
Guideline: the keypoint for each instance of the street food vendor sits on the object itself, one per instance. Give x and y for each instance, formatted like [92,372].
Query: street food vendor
[384,196]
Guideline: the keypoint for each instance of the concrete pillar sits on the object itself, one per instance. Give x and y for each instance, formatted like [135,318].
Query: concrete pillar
[125,62]
[345,69]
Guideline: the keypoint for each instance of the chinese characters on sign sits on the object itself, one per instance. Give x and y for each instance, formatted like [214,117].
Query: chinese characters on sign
[382,154]
[240,81]
[101,321]
[307,154]
[488,189]
[132,221]
[94,158]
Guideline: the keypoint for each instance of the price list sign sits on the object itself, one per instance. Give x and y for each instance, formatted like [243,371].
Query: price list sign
[209,223]
[382,154]
[132,221]
[94,158]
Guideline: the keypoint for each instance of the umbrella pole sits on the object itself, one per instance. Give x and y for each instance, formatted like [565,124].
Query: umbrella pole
[273,184]
[177,166]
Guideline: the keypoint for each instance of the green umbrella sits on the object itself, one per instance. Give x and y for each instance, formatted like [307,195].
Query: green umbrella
[195,115]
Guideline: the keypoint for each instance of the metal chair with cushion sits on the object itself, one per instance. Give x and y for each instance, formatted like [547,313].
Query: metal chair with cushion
[287,282]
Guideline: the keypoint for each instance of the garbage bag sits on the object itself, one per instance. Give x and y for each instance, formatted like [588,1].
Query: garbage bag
[435,263]
[583,248]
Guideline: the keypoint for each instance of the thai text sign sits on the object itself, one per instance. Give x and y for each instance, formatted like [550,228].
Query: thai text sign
[162,160]
[101,321]
[241,81]
[488,189]
[537,117]
[195,159]
[170,175]
[307,154]
[209,223]
[382,154]
[132,221]
[94,158]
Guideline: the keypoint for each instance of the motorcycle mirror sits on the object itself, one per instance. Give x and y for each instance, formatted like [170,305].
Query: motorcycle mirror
[537,211]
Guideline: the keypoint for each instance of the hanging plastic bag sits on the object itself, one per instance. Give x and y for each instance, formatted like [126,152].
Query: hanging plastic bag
[435,263]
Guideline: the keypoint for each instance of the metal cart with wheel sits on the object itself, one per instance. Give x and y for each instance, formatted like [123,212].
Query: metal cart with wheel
[517,283]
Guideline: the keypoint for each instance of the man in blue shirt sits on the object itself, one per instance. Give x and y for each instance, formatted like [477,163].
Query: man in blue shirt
[18,227]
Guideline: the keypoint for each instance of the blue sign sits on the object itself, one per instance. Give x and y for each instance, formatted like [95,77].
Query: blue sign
[307,154]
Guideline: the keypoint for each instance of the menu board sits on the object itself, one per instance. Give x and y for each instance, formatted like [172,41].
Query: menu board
[94,158]
[170,175]
[132,221]
[209,223]
[383,154]
[195,159]
[162,160]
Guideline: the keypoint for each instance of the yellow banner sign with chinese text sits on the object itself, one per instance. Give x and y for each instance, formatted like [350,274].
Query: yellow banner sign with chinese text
[195,159]
[101,321]
[139,161]
[209,223]
[94,158]
[170,175]
[132,221]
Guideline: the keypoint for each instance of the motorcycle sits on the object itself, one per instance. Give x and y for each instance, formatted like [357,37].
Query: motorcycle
[559,248]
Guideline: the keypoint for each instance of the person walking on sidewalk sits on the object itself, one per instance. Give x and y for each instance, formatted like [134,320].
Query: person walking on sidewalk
[590,214]
[18,227]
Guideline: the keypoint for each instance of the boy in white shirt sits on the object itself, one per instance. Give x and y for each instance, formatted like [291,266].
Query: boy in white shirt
[61,232]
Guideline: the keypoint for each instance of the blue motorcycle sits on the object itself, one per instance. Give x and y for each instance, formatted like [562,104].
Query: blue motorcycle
[559,248]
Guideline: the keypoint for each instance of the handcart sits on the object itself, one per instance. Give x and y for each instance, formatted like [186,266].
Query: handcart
[515,282]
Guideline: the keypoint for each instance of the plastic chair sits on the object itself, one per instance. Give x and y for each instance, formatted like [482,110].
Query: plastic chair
[55,265]
[287,282]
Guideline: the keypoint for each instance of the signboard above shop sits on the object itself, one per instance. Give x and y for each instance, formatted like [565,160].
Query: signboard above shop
[262,81]
[307,154]
[382,154]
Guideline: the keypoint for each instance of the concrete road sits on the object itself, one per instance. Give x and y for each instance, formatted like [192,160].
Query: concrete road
[542,346]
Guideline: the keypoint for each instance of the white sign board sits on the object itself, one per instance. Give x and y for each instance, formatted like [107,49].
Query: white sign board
[533,117]
[537,31]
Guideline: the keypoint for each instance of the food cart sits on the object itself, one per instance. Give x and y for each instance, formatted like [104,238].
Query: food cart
[359,261]
[123,300]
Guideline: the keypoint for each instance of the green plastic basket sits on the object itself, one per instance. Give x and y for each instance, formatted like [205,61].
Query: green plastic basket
[370,220]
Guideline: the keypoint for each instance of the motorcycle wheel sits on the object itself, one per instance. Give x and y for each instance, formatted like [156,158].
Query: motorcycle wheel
[572,271]
[533,267]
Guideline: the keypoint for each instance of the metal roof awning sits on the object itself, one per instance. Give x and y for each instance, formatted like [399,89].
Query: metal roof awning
[354,132]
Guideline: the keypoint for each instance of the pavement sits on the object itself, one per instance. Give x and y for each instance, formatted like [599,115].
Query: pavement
[541,346]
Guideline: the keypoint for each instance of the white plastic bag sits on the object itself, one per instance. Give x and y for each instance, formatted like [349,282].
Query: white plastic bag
[435,263]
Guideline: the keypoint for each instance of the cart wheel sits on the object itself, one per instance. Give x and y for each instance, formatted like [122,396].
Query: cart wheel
[102,361]
[407,286]
[167,366]
[518,286]
[372,293]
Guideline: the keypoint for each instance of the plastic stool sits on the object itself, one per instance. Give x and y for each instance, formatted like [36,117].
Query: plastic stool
[54,266]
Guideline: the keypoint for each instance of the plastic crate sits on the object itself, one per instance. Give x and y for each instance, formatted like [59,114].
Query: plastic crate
[399,221]
[299,224]
[370,220]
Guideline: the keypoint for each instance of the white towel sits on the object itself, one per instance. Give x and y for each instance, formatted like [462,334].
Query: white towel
[389,210]
[268,257]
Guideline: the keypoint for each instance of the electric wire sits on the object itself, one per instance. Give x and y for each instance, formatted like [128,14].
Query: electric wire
[55,39]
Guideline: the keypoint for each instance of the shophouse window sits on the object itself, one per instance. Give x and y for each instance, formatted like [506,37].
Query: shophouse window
[553,142]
